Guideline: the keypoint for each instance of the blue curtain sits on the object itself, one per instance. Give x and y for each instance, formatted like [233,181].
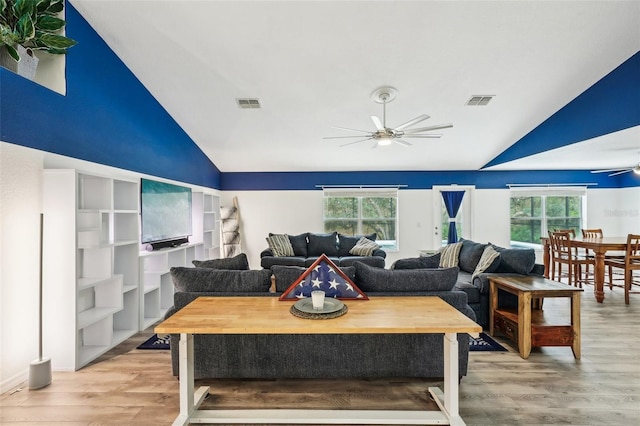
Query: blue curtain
[452,201]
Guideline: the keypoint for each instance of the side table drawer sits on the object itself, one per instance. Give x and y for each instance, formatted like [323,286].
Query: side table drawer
[508,327]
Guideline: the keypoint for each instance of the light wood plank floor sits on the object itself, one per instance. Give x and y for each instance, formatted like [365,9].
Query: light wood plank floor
[135,387]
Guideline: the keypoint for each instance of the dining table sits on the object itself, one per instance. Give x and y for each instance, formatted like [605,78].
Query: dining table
[599,246]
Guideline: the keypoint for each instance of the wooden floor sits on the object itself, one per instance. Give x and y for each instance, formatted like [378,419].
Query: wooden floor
[135,387]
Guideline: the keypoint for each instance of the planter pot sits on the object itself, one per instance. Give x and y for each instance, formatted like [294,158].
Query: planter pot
[26,67]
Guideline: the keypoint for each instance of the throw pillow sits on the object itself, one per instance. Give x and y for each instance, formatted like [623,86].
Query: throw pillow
[371,279]
[346,242]
[220,280]
[470,254]
[519,261]
[280,245]
[364,247]
[299,244]
[239,262]
[449,255]
[488,262]
[422,262]
[323,243]
[286,275]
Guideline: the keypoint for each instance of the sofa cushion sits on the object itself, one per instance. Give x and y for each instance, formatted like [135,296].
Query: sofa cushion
[286,275]
[520,261]
[238,262]
[280,245]
[346,242]
[449,255]
[323,244]
[470,253]
[422,262]
[375,260]
[299,244]
[220,280]
[376,279]
[489,261]
[269,261]
[364,247]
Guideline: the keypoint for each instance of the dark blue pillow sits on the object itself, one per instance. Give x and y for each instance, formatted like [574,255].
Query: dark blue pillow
[470,254]
[373,279]
[346,242]
[422,262]
[323,243]
[519,261]
[299,244]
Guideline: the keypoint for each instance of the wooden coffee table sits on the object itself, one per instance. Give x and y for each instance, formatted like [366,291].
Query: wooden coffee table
[268,315]
[528,327]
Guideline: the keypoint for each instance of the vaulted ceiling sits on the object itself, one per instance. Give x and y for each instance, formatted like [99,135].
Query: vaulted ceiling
[314,65]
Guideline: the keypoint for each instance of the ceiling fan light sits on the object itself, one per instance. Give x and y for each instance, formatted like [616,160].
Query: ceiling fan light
[636,169]
[384,141]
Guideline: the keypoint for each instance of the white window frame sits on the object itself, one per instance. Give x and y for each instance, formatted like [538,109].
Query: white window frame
[359,193]
[544,193]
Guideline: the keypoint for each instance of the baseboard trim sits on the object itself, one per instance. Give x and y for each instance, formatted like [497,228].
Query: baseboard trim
[15,381]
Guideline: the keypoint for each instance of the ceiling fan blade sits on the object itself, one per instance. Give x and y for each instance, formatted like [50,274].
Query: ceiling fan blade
[343,137]
[432,136]
[351,130]
[621,172]
[377,122]
[412,122]
[426,129]
[351,143]
[401,142]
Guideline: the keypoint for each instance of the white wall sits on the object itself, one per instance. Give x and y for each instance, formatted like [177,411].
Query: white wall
[20,207]
[616,211]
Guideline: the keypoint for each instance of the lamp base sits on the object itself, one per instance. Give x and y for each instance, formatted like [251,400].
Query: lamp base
[40,373]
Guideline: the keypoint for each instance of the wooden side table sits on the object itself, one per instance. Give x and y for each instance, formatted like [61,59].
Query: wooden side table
[528,327]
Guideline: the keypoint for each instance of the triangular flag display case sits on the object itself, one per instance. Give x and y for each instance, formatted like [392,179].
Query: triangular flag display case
[326,276]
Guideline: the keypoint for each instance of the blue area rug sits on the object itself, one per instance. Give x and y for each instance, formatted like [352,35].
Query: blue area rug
[484,343]
[156,342]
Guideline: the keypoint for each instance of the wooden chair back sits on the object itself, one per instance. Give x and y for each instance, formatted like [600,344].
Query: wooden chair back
[592,233]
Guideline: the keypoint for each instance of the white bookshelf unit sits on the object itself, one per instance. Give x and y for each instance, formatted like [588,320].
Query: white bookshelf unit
[156,286]
[90,265]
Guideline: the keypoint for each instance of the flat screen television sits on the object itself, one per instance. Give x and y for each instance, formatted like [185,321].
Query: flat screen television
[166,212]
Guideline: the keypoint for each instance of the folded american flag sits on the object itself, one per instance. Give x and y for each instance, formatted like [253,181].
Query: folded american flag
[326,276]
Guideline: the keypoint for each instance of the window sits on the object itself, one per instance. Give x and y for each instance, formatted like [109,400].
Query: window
[534,213]
[360,212]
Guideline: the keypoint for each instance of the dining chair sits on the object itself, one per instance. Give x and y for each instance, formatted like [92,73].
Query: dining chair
[597,233]
[629,264]
[563,253]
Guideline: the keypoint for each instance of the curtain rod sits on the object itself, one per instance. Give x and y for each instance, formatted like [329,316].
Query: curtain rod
[549,185]
[360,186]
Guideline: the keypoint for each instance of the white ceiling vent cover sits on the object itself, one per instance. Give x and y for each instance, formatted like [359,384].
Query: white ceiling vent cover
[248,103]
[479,100]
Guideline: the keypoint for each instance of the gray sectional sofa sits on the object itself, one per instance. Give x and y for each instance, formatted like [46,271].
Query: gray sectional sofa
[298,356]
[511,262]
[308,247]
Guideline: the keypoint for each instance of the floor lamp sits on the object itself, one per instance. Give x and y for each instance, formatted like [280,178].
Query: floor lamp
[40,369]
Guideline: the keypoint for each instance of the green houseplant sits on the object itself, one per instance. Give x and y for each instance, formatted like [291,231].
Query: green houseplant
[34,25]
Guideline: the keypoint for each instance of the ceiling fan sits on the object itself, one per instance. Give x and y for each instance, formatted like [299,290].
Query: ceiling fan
[635,169]
[384,135]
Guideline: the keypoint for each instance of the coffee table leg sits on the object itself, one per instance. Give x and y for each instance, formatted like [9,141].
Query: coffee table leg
[575,324]
[188,404]
[451,373]
[524,324]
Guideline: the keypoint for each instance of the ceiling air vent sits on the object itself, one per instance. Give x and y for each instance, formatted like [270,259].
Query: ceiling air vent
[248,103]
[479,100]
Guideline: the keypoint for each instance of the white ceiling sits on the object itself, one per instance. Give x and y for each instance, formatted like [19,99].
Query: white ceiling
[314,64]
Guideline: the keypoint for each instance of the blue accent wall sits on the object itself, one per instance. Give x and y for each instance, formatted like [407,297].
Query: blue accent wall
[421,180]
[610,105]
[107,116]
